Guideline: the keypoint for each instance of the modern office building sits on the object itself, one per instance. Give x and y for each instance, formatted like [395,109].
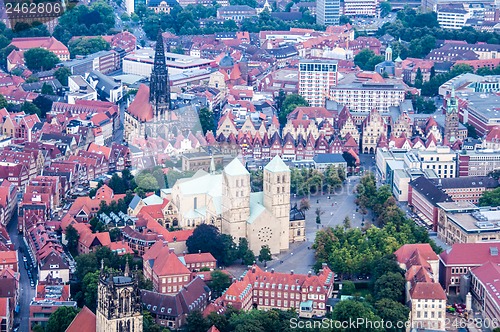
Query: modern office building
[316,77]
[452,16]
[328,12]
[361,8]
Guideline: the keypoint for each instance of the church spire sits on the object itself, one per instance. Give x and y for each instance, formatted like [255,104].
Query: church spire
[159,87]
[127,269]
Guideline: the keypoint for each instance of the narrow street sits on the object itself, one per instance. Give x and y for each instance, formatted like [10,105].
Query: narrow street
[26,292]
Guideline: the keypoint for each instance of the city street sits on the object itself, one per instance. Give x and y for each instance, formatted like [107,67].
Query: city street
[26,292]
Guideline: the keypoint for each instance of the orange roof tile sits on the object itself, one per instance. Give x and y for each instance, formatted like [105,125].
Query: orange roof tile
[84,321]
[140,106]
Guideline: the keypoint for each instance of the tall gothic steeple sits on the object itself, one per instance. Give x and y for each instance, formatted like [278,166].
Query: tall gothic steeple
[451,118]
[159,89]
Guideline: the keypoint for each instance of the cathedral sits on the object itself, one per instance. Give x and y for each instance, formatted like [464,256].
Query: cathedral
[119,306]
[225,200]
[150,114]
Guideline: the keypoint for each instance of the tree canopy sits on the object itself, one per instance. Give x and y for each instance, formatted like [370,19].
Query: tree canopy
[207,238]
[85,46]
[366,59]
[290,102]
[490,198]
[62,74]
[39,59]
[93,20]
[60,319]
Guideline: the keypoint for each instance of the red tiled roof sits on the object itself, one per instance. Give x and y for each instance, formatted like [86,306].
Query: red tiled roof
[140,107]
[199,258]
[123,247]
[7,257]
[4,303]
[489,275]
[167,263]
[404,253]
[49,43]
[427,290]
[85,321]
[470,254]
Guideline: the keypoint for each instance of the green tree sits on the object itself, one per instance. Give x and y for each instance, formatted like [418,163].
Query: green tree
[195,322]
[207,120]
[125,17]
[251,3]
[206,238]
[115,234]
[3,102]
[291,102]
[385,264]
[242,247]
[318,213]
[490,198]
[419,79]
[72,237]
[345,20]
[348,287]
[366,59]
[230,25]
[117,184]
[347,223]
[85,46]
[248,258]
[390,286]
[265,254]
[134,17]
[146,181]
[44,104]
[385,8]
[220,282]
[37,328]
[394,312]
[60,319]
[38,59]
[304,205]
[351,310]
[149,324]
[30,108]
[62,74]
[89,288]
[47,89]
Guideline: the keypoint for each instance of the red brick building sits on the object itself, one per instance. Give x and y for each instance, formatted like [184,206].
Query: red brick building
[265,290]
[165,269]
[461,258]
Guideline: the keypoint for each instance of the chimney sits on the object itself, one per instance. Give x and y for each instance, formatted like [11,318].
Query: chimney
[199,252]
[309,273]
[272,270]
[253,269]
[184,253]
[165,243]
[170,250]
[291,272]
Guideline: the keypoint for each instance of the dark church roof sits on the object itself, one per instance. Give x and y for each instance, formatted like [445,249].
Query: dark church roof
[226,62]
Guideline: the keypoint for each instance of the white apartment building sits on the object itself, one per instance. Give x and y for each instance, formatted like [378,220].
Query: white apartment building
[316,77]
[442,160]
[361,8]
[327,12]
[140,62]
[452,16]
[365,96]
